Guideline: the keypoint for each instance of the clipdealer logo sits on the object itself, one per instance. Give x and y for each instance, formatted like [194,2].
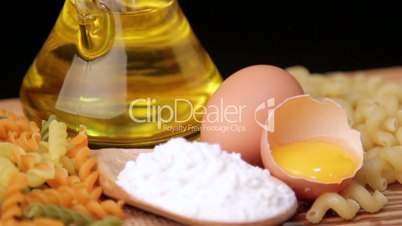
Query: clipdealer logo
[269,107]
[163,114]
[167,118]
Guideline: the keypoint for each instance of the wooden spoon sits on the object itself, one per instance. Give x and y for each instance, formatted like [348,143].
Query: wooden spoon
[111,161]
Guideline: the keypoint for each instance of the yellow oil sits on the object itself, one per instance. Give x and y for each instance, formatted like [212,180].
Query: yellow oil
[103,67]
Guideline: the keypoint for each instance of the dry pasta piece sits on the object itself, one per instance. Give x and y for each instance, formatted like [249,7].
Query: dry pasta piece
[80,207]
[373,125]
[390,125]
[60,178]
[105,208]
[86,173]
[389,173]
[370,203]
[83,164]
[18,152]
[26,140]
[45,127]
[7,149]
[64,195]
[113,208]
[68,164]
[13,197]
[27,162]
[7,168]
[79,141]
[57,140]
[393,156]
[388,101]
[398,135]
[390,89]
[366,141]
[49,196]
[345,208]
[381,167]
[96,193]
[39,174]
[9,122]
[66,215]
[399,116]
[371,173]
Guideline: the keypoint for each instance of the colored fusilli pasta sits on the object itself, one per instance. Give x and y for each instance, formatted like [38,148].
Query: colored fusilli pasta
[49,169]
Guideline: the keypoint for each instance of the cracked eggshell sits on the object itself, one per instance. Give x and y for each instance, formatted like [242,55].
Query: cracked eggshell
[303,118]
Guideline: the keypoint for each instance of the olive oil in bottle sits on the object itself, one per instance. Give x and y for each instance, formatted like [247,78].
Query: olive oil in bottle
[132,72]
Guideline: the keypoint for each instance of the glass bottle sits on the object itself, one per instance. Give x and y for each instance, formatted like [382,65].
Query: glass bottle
[132,72]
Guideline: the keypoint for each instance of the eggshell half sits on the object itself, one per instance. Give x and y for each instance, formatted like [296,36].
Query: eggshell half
[303,118]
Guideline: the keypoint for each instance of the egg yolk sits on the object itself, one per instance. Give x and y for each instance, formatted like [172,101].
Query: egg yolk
[318,161]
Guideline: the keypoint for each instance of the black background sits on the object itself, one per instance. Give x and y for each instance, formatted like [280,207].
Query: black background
[237,34]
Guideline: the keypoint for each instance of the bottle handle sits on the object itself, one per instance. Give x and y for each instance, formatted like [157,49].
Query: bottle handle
[95,33]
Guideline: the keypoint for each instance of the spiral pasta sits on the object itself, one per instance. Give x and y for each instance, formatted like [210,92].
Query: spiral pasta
[6,170]
[10,123]
[57,140]
[84,165]
[7,149]
[13,197]
[381,166]
[345,208]
[105,208]
[27,141]
[52,170]
[39,174]
[64,195]
[68,216]
[44,132]
[370,203]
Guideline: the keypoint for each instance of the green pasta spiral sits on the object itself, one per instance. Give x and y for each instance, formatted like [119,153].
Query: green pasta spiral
[68,216]
[44,132]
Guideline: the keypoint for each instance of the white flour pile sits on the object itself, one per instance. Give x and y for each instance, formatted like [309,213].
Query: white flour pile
[199,180]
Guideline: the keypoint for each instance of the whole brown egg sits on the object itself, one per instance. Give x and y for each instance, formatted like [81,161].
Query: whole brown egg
[236,113]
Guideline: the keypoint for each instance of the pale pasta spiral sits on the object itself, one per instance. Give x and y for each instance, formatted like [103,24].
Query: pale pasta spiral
[345,208]
[57,140]
[369,202]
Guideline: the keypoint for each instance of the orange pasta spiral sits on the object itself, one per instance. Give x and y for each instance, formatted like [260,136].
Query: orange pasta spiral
[85,165]
[9,122]
[104,208]
[64,196]
[13,198]
[26,140]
